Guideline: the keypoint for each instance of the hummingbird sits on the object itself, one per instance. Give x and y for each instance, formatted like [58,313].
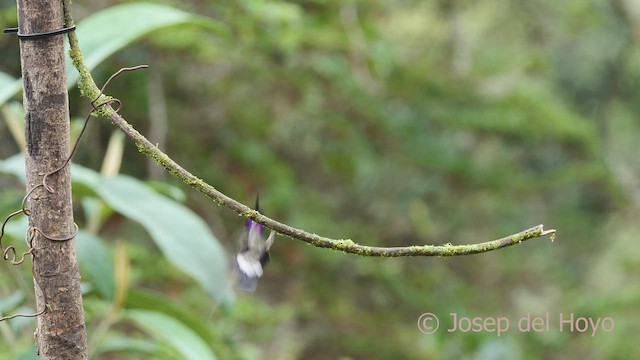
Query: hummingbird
[254,253]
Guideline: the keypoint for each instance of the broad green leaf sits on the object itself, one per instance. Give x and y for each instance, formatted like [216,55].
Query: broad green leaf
[29,354]
[96,259]
[14,232]
[172,331]
[112,29]
[20,323]
[14,165]
[148,300]
[168,190]
[126,345]
[182,236]
[11,301]
[8,87]
[5,79]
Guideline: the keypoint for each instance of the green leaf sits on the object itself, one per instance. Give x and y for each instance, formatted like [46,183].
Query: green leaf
[8,87]
[5,79]
[14,165]
[168,190]
[14,232]
[172,331]
[182,236]
[126,345]
[114,28]
[148,300]
[29,354]
[96,259]
[11,301]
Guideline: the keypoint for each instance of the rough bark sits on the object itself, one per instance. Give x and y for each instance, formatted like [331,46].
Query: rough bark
[61,332]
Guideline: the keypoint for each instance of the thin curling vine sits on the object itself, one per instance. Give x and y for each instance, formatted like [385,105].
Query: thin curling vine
[10,253]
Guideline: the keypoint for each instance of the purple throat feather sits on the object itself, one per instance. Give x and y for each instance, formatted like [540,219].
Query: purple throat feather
[254,254]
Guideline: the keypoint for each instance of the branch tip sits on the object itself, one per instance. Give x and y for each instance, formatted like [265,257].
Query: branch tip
[550,232]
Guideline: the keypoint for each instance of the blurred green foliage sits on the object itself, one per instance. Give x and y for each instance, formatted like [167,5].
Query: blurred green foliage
[392,123]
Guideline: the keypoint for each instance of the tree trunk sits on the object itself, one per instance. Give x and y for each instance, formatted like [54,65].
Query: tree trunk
[61,332]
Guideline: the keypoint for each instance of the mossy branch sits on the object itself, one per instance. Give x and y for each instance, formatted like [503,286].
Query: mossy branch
[88,88]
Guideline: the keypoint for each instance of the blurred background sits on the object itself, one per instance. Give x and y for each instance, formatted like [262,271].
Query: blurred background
[392,123]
